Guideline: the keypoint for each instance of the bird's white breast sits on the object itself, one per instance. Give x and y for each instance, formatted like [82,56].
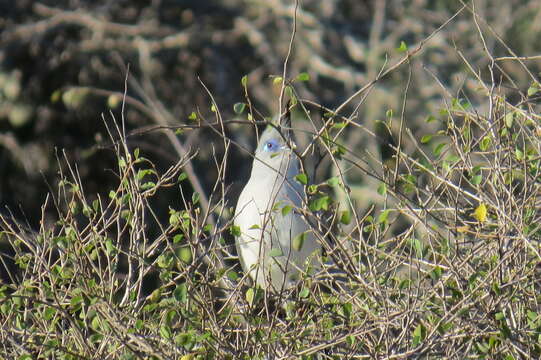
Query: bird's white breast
[266,231]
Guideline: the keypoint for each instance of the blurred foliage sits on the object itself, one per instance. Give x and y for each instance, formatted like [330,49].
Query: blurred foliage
[48,47]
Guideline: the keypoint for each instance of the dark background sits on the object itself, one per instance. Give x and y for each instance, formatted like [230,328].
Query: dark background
[50,47]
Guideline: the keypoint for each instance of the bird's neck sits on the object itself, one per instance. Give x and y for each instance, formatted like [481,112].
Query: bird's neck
[289,168]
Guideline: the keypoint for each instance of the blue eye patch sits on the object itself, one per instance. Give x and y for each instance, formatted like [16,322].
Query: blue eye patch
[271,145]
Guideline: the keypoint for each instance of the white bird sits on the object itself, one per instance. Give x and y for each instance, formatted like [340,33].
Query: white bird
[275,242]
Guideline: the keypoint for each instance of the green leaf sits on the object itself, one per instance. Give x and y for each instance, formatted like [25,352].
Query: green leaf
[482,347]
[181,293]
[96,204]
[192,116]
[122,163]
[496,288]
[509,119]
[232,275]
[319,203]
[519,154]
[485,143]
[286,210]
[186,340]
[185,254]
[148,185]
[436,273]
[345,217]
[177,238]
[409,183]
[174,218]
[250,295]
[382,218]
[340,125]
[195,198]
[275,252]
[347,309]
[96,338]
[439,148]
[404,284]
[110,248]
[75,98]
[183,176]
[277,80]
[253,295]
[239,108]
[426,139]
[49,313]
[382,189]
[291,95]
[165,261]
[302,178]
[244,80]
[338,150]
[444,327]
[417,246]
[170,316]
[403,47]
[165,332]
[419,334]
[304,293]
[155,295]
[56,96]
[533,89]
[532,315]
[303,77]
[298,241]
[333,182]
[466,132]
[234,230]
[476,179]
[492,342]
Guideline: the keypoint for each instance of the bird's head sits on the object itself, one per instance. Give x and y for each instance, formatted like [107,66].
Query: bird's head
[273,152]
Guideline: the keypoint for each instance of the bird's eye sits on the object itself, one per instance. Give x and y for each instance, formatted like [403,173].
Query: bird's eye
[271,145]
